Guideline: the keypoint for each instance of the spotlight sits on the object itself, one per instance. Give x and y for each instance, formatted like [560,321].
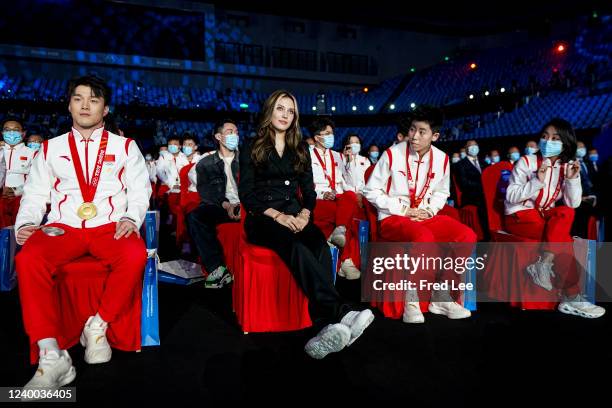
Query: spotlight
[560,48]
[365,90]
[502,90]
[413,105]
[333,108]
[473,65]
[314,108]
[354,108]
[392,107]
[486,93]
[471,96]
[371,108]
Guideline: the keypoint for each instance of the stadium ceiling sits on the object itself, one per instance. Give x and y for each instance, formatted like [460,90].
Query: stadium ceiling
[460,18]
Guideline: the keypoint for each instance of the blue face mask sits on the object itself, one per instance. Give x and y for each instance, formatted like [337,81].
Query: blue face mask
[12,137]
[187,150]
[550,148]
[473,150]
[495,159]
[231,141]
[355,148]
[455,160]
[374,156]
[328,141]
[34,145]
[514,156]
[531,150]
[488,160]
[593,157]
[581,152]
[148,157]
[463,155]
[174,149]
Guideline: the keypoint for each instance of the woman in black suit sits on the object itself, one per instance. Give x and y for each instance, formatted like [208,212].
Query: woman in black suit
[272,171]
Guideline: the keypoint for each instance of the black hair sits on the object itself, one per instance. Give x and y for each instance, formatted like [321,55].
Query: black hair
[319,124]
[403,124]
[12,119]
[346,139]
[189,136]
[98,86]
[173,137]
[567,136]
[219,125]
[430,115]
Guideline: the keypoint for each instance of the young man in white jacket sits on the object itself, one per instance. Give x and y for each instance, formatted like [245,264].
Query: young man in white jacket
[99,189]
[408,186]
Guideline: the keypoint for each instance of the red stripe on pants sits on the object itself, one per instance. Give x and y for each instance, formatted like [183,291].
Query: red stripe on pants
[553,227]
[38,260]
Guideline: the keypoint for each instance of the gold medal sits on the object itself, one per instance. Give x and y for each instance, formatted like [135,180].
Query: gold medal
[87,211]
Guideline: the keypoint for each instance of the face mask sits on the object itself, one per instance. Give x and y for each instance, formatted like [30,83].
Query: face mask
[550,148]
[231,141]
[456,160]
[34,145]
[594,157]
[355,148]
[12,137]
[473,150]
[514,156]
[173,149]
[495,159]
[328,141]
[148,157]
[581,152]
[374,156]
[531,150]
[188,150]
[463,155]
[488,160]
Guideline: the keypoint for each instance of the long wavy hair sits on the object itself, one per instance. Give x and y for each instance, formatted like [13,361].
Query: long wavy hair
[263,145]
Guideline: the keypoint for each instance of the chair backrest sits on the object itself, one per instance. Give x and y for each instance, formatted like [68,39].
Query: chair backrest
[184,178]
[495,193]
[370,210]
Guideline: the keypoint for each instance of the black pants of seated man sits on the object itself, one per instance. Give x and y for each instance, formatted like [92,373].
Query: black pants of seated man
[202,224]
[308,257]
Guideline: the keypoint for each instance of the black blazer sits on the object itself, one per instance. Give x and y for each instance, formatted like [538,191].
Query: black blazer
[275,184]
[212,180]
[469,181]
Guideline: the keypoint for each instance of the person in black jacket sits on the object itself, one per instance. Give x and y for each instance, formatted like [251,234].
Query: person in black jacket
[216,181]
[277,191]
[468,176]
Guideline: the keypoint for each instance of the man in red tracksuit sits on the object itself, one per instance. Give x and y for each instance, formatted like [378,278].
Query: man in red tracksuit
[99,189]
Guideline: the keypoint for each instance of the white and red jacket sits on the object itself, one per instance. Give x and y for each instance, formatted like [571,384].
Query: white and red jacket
[388,186]
[152,170]
[168,170]
[123,190]
[18,160]
[354,172]
[327,171]
[193,175]
[525,191]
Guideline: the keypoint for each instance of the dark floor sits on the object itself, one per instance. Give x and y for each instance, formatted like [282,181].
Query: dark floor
[498,357]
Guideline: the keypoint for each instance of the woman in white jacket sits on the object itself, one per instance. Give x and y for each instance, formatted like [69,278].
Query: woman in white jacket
[536,184]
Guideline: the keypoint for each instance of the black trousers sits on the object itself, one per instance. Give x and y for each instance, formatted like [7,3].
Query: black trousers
[307,256]
[202,224]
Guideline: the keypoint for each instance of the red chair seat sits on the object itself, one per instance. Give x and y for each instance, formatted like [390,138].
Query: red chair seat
[266,297]
[79,286]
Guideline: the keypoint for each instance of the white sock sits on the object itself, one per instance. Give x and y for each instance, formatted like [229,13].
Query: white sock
[49,344]
[98,321]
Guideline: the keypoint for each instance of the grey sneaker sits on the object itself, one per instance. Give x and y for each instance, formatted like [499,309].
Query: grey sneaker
[541,273]
[218,278]
[331,339]
[357,322]
[580,306]
[338,236]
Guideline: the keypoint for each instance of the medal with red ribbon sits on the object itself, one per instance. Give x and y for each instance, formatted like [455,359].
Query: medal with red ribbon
[414,200]
[332,179]
[88,210]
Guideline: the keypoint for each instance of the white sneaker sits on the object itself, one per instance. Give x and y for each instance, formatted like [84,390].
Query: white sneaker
[348,270]
[579,306]
[54,370]
[357,322]
[412,313]
[452,310]
[93,338]
[541,273]
[338,236]
[218,278]
[331,339]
